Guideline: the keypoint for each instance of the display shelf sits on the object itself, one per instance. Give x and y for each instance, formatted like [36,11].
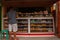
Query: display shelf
[23,30]
[41,25]
[36,24]
[32,18]
[42,22]
[33,22]
[35,14]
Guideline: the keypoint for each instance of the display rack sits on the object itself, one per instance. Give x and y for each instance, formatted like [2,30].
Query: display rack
[33,24]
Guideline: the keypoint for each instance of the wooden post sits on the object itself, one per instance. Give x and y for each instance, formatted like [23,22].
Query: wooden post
[3,13]
[58,18]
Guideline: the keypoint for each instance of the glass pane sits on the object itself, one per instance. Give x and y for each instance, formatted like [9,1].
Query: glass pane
[41,25]
[23,25]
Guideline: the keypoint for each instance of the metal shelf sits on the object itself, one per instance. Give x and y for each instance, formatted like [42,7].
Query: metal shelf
[29,27]
[33,18]
[41,22]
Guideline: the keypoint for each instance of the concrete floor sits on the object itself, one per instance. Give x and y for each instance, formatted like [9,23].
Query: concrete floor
[39,38]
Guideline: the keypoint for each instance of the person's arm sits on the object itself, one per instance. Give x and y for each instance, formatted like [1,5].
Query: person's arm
[7,15]
[16,15]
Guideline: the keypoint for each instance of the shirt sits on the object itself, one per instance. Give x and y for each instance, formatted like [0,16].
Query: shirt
[12,17]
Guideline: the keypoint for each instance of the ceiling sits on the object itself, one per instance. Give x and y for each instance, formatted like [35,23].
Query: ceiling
[28,3]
